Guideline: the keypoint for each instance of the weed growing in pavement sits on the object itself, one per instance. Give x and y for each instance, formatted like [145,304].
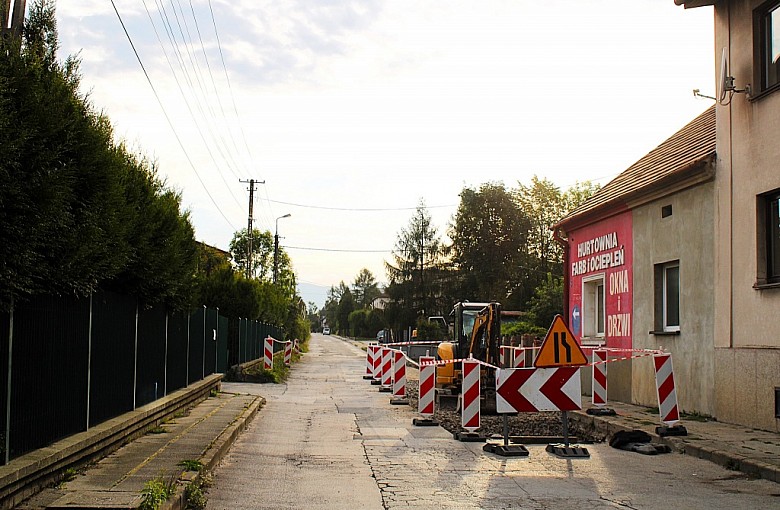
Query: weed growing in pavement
[695,416]
[213,393]
[191,465]
[194,496]
[158,430]
[156,492]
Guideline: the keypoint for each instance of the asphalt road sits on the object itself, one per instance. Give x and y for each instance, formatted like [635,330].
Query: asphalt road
[329,440]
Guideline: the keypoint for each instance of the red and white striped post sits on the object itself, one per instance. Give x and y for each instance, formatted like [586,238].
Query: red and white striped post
[376,369]
[287,353]
[599,397]
[369,362]
[426,401]
[268,353]
[470,417]
[295,346]
[399,378]
[519,358]
[387,372]
[664,383]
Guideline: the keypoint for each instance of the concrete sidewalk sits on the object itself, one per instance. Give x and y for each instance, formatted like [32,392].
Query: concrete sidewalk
[203,434]
[735,447]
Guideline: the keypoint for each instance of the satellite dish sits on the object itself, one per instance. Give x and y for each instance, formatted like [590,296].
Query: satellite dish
[723,83]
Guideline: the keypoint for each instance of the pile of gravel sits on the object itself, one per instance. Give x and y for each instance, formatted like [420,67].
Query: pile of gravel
[522,424]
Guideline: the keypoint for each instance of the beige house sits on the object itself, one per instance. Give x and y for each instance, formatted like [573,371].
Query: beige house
[746,275]
[639,266]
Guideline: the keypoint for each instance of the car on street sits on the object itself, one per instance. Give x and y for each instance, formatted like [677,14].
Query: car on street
[326,330]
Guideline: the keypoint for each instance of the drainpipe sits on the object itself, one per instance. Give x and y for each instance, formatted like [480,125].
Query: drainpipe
[564,243]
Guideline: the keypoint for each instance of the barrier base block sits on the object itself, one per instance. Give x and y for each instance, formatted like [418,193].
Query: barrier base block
[469,437]
[677,430]
[601,411]
[399,401]
[568,452]
[367,377]
[376,382]
[425,422]
[506,450]
[385,389]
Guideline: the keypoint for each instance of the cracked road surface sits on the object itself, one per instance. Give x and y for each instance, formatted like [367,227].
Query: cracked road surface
[329,440]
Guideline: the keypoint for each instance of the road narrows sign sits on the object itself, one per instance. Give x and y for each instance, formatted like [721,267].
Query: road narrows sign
[560,348]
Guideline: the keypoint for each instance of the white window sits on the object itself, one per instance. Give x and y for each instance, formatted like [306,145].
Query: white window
[593,312]
[767,30]
[667,296]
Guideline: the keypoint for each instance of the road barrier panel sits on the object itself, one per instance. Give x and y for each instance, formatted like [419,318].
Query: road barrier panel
[376,369]
[667,397]
[369,362]
[288,353]
[599,385]
[268,353]
[387,372]
[399,378]
[470,402]
[426,402]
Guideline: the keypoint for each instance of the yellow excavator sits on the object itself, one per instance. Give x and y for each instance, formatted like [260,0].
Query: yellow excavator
[476,332]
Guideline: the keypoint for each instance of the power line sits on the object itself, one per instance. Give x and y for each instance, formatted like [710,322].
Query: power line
[167,118]
[358,209]
[335,250]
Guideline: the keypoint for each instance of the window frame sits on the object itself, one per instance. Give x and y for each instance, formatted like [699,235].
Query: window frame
[761,46]
[767,244]
[660,282]
[591,307]
[665,295]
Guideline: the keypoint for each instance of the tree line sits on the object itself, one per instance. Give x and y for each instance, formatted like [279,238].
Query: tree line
[498,247]
[80,211]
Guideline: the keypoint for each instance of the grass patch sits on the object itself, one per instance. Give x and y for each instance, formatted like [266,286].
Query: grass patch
[158,430]
[694,416]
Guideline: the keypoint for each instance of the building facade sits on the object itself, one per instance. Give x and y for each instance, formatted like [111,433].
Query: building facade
[746,279]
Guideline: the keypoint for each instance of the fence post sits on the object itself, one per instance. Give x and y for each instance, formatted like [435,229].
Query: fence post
[187,360]
[8,389]
[203,353]
[135,356]
[216,343]
[89,357]
[165,377]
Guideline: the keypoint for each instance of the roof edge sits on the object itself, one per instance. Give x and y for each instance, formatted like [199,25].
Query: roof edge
[698,172]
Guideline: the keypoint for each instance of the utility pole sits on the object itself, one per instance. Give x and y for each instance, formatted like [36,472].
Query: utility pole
[12,22]
[250,228]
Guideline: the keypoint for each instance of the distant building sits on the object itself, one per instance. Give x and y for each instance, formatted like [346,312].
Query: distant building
[379,303]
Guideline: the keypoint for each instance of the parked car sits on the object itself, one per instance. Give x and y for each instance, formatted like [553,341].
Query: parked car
[326,330]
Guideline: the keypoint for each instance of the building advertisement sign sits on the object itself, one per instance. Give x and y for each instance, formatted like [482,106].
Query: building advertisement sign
[601,282]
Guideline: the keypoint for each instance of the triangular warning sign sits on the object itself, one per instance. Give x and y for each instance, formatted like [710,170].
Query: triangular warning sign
[560,348]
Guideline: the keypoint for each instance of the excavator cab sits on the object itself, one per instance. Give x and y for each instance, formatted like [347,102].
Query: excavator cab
[476,333]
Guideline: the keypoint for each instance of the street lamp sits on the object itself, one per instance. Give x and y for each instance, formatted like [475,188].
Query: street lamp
[276,246]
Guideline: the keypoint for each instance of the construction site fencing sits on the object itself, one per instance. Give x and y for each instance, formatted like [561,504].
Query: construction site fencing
[67,364]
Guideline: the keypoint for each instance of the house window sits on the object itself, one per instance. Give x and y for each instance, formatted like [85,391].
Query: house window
[667,296]
[771,228]
[593,315]
[767,29]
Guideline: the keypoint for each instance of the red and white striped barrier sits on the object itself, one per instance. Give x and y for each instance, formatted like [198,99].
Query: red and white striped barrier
[518,358]
[427,388]
[268,353]
[599,397]
[387,372]
[369,362]
[376,359]
[287,353]
[399,375]
[470,417]
[664,383]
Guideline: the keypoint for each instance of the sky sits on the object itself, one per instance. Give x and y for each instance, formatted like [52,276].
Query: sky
[353,112]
